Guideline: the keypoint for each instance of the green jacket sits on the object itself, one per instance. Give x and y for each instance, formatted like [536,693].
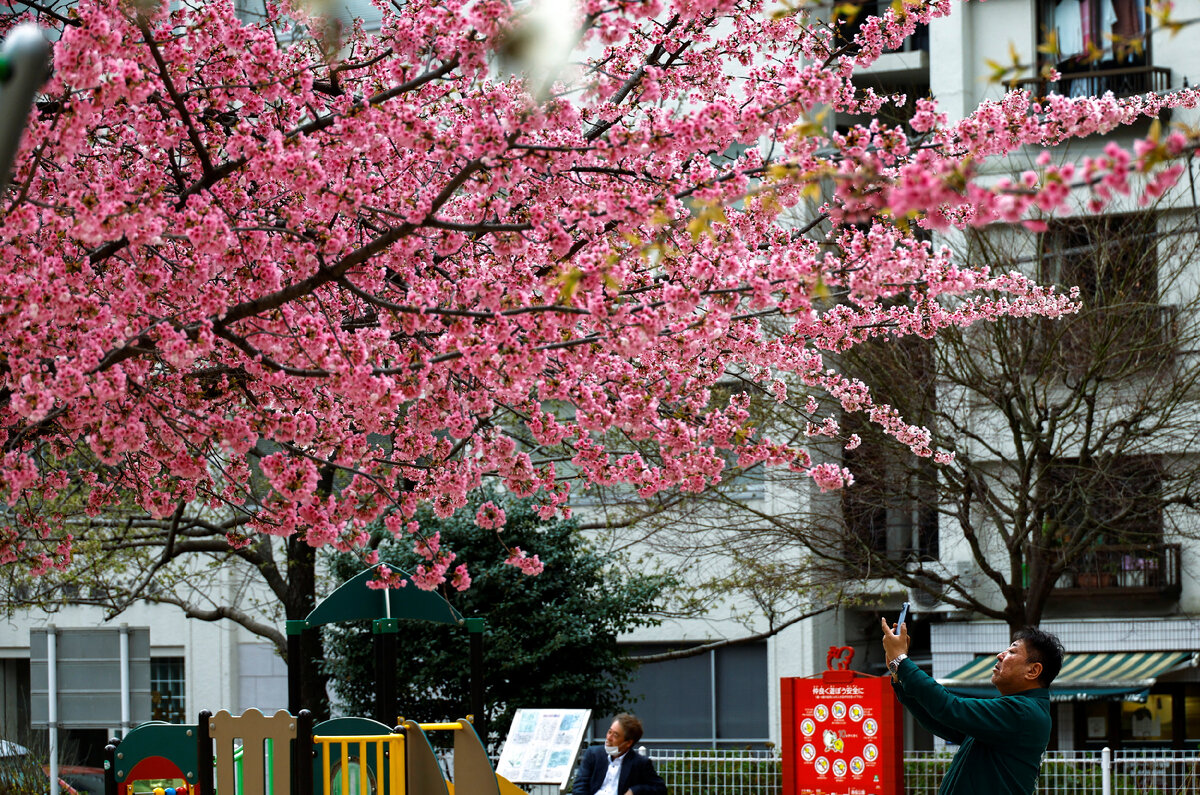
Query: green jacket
[1002,738]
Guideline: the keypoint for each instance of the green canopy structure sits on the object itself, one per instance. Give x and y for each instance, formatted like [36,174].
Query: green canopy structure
[355,600]
[1117,675]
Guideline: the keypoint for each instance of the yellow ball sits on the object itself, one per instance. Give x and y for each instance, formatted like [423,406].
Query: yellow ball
[158,791]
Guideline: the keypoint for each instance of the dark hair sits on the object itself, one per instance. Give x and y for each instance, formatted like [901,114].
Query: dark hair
[1044,648]
[631,727]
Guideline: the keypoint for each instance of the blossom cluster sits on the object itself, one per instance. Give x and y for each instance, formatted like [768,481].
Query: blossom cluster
[318,287]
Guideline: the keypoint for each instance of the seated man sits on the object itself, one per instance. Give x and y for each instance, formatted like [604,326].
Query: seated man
[616,769]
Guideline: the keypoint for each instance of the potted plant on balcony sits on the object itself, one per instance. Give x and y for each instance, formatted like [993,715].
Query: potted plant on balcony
[1096,570]
[1101,574]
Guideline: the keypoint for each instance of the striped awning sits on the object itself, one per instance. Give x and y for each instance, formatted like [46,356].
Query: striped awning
[1123,676]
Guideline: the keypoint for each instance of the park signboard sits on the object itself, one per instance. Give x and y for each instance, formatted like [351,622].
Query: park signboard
[542,745]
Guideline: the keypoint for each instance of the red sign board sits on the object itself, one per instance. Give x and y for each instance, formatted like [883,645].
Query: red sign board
[843,734]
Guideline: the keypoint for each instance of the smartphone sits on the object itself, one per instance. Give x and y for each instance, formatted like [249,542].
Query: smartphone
[903,617]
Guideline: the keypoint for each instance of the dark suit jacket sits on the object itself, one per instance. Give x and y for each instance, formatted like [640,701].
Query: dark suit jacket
[637,774]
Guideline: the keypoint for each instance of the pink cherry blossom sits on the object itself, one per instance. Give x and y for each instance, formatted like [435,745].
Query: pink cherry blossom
[317,287]
[528,564]
[490,516]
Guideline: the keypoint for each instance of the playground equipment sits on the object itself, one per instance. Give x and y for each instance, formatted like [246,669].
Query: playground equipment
[284,754]
[156,752]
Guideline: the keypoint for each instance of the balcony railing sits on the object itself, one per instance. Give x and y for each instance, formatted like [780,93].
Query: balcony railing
[1123,82]
[1151,570]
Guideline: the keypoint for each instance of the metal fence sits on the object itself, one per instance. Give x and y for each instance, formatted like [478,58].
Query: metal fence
[716,772]
[1151,772]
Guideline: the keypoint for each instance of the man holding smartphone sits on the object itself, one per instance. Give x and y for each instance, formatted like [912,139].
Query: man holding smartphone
[1001,739]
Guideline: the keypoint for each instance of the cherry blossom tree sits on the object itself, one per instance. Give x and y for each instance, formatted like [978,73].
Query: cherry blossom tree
[239,249]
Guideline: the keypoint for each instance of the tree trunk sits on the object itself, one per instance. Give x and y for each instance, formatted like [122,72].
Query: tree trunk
[302,598]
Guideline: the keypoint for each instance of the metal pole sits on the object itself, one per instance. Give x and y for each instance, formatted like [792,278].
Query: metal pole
[475,628]
[384,631]
[52,702]
[1106,771]
[294,628]
[125,722]
[712,694]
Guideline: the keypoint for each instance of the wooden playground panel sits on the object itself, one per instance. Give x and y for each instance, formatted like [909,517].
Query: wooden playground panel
[284,754]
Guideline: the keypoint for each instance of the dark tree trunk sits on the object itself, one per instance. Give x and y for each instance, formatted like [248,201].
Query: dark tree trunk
[302,598]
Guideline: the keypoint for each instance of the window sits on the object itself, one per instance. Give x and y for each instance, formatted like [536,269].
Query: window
[1113,260]
[889,113]
[1093,29]
[890,511]
[1149,722]
[1191,711]
[718,697]
[887,518]
[918,41]
[1115,499]
[166,689]
[1166,718]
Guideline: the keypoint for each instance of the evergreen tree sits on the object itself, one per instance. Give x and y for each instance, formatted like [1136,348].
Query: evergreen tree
[550,640]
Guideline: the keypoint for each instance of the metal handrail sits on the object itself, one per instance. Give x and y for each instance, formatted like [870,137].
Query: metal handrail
[389,747]
[1139,80]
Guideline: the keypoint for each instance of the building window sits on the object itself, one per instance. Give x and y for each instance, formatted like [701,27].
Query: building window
[1149,722]
[853,22]
[166,689]
[889,510]
[1113,260]
[1191,711]
[714,698]
[1093,30]
[1115,500]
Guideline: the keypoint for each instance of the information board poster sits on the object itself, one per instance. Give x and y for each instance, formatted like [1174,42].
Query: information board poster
[843,734]
[542,745]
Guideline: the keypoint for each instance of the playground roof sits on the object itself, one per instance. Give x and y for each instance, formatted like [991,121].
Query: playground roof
[354,600]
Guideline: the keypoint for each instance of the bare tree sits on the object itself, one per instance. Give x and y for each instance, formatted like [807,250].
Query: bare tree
[197,561]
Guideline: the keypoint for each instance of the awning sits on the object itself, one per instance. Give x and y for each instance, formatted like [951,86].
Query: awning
[1120,676]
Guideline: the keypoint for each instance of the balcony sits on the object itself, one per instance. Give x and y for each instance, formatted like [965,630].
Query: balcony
[1124,81]
[1126,571]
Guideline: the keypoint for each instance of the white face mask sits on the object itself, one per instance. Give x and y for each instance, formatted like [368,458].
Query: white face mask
[612,750]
